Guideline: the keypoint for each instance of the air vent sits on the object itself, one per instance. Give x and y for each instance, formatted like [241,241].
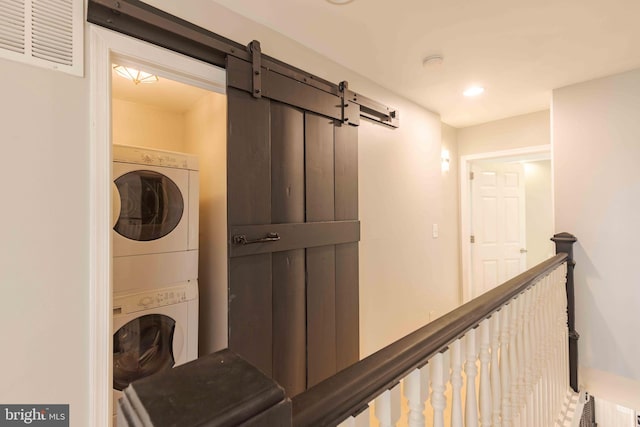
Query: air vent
[46,33]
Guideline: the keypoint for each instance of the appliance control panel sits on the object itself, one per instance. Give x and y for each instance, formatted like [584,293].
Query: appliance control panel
[153,299]
[148,156]
[158,159]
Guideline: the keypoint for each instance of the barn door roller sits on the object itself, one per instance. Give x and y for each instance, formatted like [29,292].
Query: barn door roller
[350,110]
[256,64]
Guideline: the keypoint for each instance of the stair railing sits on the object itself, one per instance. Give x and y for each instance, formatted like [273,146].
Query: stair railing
[503,359]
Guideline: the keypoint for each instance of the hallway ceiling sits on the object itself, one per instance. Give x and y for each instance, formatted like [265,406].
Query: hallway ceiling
[518,51]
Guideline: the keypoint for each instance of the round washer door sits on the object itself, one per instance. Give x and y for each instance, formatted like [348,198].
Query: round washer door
[141,348]
[151,205]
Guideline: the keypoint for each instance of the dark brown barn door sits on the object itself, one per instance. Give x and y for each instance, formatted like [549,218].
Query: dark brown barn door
[293,227]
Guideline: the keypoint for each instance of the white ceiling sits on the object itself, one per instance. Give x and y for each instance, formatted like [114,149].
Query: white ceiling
[518,50]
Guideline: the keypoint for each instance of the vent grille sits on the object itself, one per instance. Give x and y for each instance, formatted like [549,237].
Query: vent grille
[47,33]
[12,25]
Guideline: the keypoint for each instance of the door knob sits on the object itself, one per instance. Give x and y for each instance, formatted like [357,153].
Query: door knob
[523,251]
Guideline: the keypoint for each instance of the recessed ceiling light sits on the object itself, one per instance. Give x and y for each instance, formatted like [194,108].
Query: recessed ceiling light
[339,1]
[473,91]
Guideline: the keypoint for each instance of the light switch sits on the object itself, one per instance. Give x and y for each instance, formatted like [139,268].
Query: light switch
[435,231]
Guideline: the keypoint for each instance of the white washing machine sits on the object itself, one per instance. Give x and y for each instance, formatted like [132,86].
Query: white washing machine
[153,331]
[155,218]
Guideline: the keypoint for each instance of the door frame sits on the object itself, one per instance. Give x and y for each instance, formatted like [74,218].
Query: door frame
[465,204]
[105,46]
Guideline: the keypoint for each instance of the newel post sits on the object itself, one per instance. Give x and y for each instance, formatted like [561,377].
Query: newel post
[564,244]
[220,389]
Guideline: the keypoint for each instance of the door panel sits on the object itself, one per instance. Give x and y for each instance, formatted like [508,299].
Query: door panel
[346,208]
[321,295]
[321,314]
[249,158]
[347,313]
[287,206]
[293,309]
[320,179]
[249,151]
[498,224]
[250,311]
[289,317]
[287,164]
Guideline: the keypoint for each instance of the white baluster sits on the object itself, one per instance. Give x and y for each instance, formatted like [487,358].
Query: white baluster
[485,378]
[520,390]
[545,353]
[360,420]
[561,342]
[513,360]
[456,384]
[471,372]
[495,369]
[387,407]
[505,317]
[416,390]
[521,361]
[533,348]
[548,352]
[559,353]
[438,400]
[528,359]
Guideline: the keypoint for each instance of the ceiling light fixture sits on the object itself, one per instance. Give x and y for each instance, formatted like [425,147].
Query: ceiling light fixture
[136,76]
[339,2]
[473,91]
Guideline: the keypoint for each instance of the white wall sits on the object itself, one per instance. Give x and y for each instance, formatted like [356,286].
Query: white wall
[527,130]
[206,136]
[597,188]
[147,126]
[539,211]
[451,211]
[44,230]
[405,273]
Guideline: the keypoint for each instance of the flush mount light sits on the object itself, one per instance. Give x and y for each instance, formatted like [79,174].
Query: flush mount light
[473,91]
[339,1]
[136,76]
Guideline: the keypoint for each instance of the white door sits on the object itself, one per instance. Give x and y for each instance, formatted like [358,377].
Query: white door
[497,224]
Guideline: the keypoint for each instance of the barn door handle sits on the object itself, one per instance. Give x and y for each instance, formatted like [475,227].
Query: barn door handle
[242,239]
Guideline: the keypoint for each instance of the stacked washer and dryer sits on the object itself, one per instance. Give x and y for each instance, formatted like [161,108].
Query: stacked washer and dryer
[155,262]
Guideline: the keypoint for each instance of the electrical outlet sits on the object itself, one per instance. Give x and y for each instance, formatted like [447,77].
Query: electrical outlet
[435,231]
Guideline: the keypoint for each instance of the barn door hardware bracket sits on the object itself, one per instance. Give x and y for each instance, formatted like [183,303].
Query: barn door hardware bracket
[256,71]
[350,110]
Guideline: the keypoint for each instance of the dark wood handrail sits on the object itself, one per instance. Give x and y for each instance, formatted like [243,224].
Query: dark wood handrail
[349,391]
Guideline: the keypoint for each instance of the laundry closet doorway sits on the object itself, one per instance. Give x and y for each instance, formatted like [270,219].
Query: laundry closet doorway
[177,114]
[185,112]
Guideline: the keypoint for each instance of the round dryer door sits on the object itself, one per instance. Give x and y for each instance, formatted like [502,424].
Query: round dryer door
[151,205]
[141,348]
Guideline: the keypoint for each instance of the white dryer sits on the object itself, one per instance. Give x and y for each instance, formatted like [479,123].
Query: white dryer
[153,331]
[155,218]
